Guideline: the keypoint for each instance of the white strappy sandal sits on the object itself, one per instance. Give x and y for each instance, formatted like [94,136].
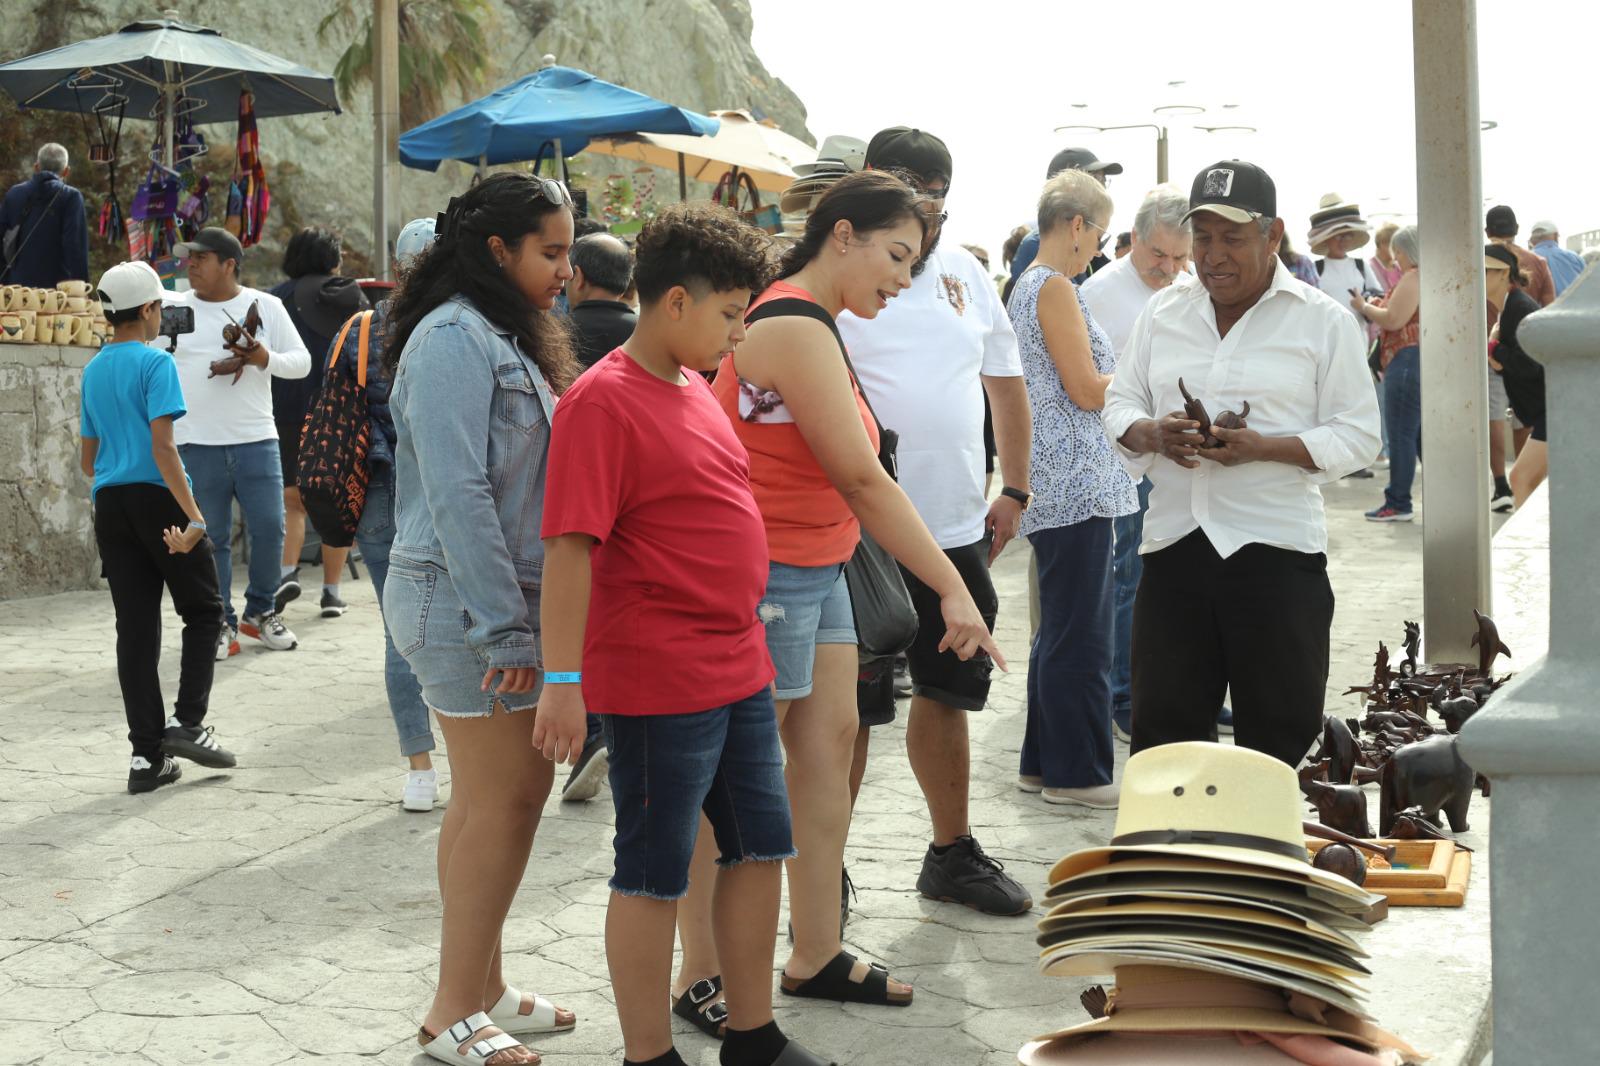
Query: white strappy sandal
[507,1015]
[446,1047]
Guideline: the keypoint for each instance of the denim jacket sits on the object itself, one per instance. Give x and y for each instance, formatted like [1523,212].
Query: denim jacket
[472,415]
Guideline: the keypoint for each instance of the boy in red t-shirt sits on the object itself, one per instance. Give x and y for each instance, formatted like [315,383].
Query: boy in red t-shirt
[655,561]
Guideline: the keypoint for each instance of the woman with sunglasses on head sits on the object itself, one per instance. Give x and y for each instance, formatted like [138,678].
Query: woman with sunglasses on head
[477,359]
[1079,487]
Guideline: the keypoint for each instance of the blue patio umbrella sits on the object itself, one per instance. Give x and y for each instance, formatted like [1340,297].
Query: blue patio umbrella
[558,106]
[154,62]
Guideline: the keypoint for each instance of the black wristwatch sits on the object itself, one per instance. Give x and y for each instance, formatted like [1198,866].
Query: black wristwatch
[1024,498]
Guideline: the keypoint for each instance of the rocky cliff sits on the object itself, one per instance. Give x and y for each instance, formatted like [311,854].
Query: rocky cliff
[694,53]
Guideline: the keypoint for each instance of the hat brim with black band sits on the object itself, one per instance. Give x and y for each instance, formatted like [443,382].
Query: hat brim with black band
[1235,190]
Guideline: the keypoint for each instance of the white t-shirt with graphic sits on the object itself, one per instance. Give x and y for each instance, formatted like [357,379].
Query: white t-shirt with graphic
[921,362]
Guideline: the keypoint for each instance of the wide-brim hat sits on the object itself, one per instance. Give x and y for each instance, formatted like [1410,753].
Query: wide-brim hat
[849,152]
[802,195]
[1335,215]
[1204,881]
[1217,802]
[1261,919]
[1153,999]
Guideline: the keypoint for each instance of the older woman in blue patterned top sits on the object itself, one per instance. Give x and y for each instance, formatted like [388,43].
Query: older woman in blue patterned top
[1079,487]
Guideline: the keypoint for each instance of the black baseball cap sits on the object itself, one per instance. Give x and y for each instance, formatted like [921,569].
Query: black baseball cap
[1236,190]
[1501,221]
[212,239]
[1079,159]
[916,151]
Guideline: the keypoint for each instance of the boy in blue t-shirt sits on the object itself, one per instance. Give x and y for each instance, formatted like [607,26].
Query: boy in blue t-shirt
[149,530]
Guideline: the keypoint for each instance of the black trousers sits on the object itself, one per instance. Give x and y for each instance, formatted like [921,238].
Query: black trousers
[1256,623]
[128,520]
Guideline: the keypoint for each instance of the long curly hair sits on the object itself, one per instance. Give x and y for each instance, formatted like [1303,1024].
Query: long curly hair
[509,206]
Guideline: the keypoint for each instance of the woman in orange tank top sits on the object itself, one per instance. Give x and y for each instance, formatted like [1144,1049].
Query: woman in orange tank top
[814,467]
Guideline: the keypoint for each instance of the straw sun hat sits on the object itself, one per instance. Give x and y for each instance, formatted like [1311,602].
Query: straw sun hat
[1333,216]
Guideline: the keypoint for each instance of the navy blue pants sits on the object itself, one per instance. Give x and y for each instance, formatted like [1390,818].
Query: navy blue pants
[1402,387]
[1126,569]
[1068,736]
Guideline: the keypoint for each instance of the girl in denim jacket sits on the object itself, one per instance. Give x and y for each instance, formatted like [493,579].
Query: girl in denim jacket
[477,359]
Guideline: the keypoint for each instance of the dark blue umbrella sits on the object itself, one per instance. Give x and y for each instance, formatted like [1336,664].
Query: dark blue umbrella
[152,63]
[557,106]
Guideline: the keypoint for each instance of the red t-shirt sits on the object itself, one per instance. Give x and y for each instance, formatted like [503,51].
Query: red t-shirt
[653,472]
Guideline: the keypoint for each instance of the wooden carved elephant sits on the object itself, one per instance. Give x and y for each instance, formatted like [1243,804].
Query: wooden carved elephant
[1428,774]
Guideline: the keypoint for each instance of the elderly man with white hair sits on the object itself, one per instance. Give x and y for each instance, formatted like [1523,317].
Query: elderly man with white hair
[43,226]
[1564,266]
[1117,295]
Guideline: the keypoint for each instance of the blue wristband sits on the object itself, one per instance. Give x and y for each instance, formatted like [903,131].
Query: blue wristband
[571,677]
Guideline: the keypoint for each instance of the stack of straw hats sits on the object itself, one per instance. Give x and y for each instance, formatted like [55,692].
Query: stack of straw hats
[837,157]
[1335,216]
[1221,934]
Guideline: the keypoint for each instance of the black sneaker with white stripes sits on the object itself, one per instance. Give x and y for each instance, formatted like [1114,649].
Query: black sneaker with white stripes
[197,744]
[145,776]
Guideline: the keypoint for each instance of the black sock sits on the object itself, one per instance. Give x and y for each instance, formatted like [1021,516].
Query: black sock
[669,1059]
[753,1047]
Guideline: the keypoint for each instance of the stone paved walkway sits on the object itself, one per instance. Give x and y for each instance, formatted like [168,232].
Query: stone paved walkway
[287,912]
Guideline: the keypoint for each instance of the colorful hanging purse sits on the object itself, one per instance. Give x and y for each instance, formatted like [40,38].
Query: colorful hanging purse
[156,197]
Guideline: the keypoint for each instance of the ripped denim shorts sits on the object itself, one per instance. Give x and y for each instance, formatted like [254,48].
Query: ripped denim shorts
[804,606]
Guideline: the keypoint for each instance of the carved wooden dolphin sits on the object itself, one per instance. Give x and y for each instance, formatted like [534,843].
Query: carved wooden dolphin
[1487,641]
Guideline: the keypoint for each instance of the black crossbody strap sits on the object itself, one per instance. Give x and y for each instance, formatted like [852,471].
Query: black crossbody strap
[792,306]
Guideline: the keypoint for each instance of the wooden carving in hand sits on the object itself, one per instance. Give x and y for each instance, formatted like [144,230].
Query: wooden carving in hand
[1196,411]
[240,341]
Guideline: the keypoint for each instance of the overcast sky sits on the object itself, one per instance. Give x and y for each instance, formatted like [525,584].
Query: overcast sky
[1328,88]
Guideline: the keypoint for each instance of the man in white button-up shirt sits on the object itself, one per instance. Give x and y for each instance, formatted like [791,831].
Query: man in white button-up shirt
[1235,592]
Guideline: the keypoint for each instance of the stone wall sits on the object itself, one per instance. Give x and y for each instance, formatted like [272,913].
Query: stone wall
[46,535]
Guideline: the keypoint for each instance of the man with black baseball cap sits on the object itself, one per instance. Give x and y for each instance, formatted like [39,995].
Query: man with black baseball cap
[229,438]
[1066,159]
[1235,593]
[926,362]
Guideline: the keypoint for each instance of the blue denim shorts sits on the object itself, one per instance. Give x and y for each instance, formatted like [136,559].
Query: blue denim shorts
[429,626]
[667,768]
[804,606]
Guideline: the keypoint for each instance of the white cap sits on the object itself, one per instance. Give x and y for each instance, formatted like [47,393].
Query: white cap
[1544,225]
[414,238]
[129,285]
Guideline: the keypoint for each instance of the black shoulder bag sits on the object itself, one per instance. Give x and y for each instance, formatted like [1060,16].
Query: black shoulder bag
[886,619]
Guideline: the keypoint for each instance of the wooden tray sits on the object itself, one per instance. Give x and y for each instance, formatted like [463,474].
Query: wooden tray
[1435,875]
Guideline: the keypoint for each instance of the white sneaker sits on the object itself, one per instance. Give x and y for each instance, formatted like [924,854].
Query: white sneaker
[1029,783]
[422,790]
[227,643]
[269,630]
[1100,797]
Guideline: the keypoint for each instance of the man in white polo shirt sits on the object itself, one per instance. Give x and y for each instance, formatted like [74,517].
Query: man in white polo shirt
[1235,593]
[1117,295]
[926,363]
[228,440]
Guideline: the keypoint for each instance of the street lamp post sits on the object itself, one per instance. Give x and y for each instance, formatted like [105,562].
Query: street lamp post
[1161,141]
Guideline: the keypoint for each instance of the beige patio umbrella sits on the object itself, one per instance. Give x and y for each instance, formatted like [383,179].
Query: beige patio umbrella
[742,145]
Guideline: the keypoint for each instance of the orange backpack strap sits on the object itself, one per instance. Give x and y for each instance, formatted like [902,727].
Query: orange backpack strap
[338,345]
[362,341]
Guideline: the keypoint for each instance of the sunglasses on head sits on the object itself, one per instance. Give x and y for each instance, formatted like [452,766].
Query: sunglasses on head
[554,192]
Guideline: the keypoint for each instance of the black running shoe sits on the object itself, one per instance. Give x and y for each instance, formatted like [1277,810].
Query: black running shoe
[197,744]
[965,875]
[332,605]
[288,590]
[584,781]
[143,776]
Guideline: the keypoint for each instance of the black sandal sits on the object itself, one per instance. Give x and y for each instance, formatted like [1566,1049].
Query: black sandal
[833,982]
[699,1007]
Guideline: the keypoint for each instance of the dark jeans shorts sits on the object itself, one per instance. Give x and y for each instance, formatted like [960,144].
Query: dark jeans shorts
[941,676]
[667,768]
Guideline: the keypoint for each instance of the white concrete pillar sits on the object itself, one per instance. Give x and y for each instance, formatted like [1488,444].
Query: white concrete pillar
[385,132]
[1455,488]
[1538,738]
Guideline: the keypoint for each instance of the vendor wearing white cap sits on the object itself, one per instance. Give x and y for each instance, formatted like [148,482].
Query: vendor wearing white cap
[1235,593]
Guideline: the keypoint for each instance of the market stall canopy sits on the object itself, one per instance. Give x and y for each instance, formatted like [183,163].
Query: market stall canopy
[756,147]
[553,105]
[151,62]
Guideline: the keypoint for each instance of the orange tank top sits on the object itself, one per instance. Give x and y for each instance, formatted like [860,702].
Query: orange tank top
[807,521]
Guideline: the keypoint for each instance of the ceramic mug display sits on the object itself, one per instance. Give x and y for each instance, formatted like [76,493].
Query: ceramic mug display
[77,305]
[10,327]
[8,298]
[44,327]
[80,289]
[28,324]
[83,329]
[26,299]
[64,326]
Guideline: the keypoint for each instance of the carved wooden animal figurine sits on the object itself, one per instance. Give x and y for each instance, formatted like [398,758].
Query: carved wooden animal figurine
[239,340]
[1343,860]
[1413,647]
[1230,420]
[1429,774]
[1313,771]
[1197,413]
[1339,748]
[1412,824]
[1341,807]
[1456,710]
[1487,641]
